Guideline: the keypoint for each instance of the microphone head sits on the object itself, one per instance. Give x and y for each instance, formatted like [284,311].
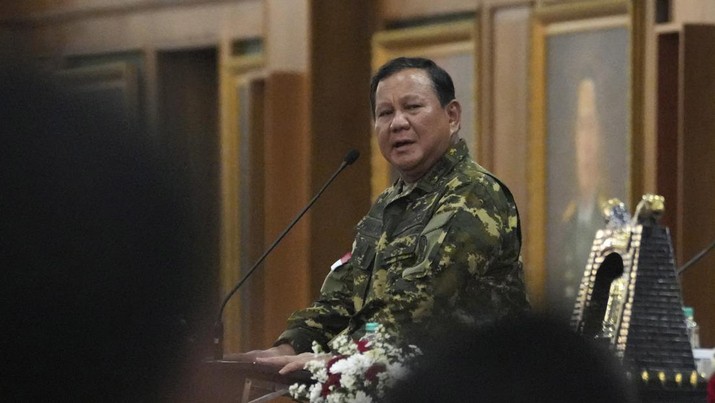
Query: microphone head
[351,156]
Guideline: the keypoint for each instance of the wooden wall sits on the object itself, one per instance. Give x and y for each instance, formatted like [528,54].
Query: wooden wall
[309,74]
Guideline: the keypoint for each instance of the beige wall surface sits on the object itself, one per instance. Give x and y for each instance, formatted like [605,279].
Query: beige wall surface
[287,36]
[693,11]
[405,9]
[83,29]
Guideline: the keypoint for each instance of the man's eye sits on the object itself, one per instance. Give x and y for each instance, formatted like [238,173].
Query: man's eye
[413,106]
[383,113]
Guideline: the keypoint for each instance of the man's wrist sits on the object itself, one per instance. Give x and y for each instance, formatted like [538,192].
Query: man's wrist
[284,348]
[301,339]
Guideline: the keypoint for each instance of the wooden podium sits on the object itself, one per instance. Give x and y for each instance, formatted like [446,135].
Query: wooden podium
[230,380]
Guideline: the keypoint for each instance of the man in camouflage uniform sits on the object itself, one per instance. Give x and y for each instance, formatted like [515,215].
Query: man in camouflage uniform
[442,242]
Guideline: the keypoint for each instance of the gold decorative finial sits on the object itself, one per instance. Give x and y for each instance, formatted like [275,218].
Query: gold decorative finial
[649,209]
[615,213]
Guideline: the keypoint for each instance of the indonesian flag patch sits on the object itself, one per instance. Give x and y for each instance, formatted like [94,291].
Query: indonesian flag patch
[346,257]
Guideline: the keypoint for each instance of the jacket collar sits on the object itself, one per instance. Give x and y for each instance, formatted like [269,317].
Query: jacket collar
[431,180]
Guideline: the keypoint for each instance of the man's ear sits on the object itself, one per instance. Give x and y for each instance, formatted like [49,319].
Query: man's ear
[454,113]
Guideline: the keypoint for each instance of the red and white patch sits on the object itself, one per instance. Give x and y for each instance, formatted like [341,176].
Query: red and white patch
[341,261]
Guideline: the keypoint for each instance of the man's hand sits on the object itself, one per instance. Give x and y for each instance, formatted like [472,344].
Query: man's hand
[290,363]
[253,356]
[282,356]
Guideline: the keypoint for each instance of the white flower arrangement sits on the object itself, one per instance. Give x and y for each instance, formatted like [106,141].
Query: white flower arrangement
[359,371]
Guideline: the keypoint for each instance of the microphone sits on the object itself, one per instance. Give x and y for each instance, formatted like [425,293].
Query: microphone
[350,157]
[695,258]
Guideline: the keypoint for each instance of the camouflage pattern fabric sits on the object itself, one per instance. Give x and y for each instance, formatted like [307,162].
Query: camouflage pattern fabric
[447,247]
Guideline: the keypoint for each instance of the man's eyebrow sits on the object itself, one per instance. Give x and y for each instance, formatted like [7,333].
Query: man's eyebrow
[408,97]
[402,98]
[412,96]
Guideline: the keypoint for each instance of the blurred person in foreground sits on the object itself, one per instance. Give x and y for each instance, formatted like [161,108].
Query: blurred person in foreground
[98,291]
[442,242]
[532,358]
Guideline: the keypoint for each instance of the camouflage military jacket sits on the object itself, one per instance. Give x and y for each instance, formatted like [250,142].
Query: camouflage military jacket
[446,247]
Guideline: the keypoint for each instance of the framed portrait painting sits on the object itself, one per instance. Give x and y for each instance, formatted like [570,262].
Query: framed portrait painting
[580,148]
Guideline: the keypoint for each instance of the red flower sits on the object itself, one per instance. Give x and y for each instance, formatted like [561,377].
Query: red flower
[333,379]
[711,389]
[371,373]
[362,345]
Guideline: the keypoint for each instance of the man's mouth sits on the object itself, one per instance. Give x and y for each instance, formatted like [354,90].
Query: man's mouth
[402,143]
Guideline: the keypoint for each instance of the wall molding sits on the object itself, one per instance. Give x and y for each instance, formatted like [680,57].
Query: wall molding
[92,9]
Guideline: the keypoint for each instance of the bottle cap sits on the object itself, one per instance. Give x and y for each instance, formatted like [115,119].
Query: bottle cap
[371,327]
[688,311]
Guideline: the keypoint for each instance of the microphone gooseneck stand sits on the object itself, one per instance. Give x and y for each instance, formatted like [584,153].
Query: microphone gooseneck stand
[350,157]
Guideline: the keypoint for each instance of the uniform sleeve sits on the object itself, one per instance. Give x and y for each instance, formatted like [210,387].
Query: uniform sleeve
[326,317]
[481,249]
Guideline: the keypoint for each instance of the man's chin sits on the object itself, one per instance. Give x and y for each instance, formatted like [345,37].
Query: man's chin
[404,157]
[404,164]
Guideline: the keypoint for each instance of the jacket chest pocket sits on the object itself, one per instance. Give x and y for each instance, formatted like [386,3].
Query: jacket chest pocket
[418,250]
[401,252]
[369,230]
[368,233]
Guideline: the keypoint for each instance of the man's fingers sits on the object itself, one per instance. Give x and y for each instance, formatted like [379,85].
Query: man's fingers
[276,361]
[289,363]
[292,366]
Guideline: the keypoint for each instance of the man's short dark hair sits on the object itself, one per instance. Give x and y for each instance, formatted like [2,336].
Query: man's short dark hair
[441,81]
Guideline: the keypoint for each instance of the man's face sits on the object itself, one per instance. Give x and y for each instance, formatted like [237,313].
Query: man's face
[413,130]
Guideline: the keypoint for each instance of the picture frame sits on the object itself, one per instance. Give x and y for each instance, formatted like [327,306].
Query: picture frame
[242,97]
[583,136]
[451,45]
[505,37]
[506,42]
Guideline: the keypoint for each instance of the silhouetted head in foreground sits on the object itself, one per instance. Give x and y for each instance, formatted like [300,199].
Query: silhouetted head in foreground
[97,293]
[527,359]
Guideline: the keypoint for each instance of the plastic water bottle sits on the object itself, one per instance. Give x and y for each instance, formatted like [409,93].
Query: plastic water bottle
[692,327]
[371,332]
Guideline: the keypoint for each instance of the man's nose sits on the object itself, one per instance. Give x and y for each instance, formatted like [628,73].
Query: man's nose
[399,122]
